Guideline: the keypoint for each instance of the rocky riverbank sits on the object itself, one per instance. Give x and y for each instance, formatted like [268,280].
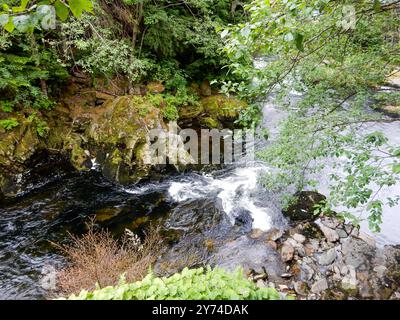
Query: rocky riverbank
[329,259]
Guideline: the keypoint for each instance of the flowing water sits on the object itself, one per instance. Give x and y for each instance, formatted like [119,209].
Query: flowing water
[220,204]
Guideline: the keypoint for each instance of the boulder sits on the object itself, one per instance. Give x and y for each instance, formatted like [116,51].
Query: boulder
[303,207]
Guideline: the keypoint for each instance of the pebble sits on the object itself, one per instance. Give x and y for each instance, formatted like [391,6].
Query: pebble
[287,251]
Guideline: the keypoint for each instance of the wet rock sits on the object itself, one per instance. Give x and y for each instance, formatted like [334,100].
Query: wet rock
[303,208]
[330,234]
[319,286]
[327,257]
[244,220]
[287,251]
[251,255]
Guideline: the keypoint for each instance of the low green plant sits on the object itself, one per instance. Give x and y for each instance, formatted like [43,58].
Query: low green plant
[9,124]
[190,284]
[41,126]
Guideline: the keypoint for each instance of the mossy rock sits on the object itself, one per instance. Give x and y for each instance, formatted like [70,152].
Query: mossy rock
[303,207]
[155,87]
[223,108]
[210,123]
[191,111]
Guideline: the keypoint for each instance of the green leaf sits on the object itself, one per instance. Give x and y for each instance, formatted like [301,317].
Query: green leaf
[22,7]
[298,40]
[61,10]
[9,26]
[79,6]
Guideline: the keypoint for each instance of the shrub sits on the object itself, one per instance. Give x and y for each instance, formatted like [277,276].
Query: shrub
[190,284]
[97,260]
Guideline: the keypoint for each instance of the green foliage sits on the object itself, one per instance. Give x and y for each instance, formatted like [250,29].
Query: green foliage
[22,68]
[149,40]
[41,126]
[9,124]
[27,15]
[190,284]
[333,53]
[97,50]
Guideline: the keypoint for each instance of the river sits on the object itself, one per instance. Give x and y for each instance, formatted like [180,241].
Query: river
[214,203]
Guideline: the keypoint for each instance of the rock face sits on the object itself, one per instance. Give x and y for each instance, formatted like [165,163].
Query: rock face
[107,126]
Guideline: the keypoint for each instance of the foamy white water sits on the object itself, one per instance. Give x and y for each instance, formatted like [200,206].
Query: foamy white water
[238,191]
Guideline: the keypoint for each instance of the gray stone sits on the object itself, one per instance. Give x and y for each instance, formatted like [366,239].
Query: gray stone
[356,252]
[299,238]
[287,251]
[330,234]
[327,257]
[319,286]
[342,233]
